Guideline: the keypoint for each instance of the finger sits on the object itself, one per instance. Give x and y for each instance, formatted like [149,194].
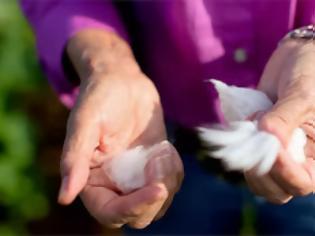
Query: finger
[77,152]
[309,148]
[98,158]
[266,187]
[162,170]
[172,180]
[310,145]
[94,199]
[148,215]
[309,128]
[165,166]
[253,185]
[309,166]
[294,178]
[99,178]
[165,207]
[287,114]
[179,168]
[139,207]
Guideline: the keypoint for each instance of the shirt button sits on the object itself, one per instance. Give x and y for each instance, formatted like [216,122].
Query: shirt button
[240,55]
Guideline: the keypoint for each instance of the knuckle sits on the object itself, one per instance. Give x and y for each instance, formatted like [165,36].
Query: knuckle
[162,195]
[272,119]
[133,213]
[160,192]
[266,122]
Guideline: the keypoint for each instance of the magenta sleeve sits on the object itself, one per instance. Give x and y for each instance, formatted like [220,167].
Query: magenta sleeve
[55,21]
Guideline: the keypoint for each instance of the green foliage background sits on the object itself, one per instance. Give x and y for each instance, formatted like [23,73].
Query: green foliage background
[21,187]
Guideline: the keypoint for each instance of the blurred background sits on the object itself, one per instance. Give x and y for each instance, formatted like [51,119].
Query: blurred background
[32,128]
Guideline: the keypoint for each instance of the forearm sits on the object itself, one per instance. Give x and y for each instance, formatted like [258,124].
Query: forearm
[97,51]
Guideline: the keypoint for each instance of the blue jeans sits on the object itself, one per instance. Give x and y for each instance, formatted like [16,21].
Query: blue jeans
[211,206]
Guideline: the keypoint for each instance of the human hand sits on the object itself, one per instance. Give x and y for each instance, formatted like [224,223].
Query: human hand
[118,108]
[289,80]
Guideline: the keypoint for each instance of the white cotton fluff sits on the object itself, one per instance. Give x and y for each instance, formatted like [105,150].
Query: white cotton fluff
[127,170]
[238,103]
[241,145]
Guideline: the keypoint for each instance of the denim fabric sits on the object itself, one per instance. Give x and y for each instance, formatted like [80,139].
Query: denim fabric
[207,205]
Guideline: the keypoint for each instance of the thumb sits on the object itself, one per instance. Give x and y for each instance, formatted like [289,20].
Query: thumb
[285,116]
[75,163]
[74,178]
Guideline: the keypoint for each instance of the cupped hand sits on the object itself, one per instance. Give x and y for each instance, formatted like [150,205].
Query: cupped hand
[289,80]
[118,108]
[113,114]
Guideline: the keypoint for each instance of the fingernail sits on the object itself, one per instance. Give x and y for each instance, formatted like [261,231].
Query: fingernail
[161,149]
[161,167]
[158,168]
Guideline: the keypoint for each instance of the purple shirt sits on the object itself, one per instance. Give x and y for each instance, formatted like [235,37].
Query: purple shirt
[185,42]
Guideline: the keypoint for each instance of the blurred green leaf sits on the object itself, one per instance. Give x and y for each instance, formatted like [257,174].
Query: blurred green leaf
[21,197]
[6,230]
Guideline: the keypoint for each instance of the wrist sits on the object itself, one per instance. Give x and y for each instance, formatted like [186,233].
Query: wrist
[95,52]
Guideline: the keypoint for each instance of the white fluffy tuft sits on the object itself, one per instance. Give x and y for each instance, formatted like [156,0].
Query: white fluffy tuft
[242,146]
[127,170]
[239,103]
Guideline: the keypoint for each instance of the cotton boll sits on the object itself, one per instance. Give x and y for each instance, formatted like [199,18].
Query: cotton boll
[238,155]
[242,146]
[220,137]
[127,170]
[246,151]
[257,149]
[239,103]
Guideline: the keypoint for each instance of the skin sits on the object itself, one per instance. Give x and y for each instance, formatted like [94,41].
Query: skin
[118,108]
[289,79]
